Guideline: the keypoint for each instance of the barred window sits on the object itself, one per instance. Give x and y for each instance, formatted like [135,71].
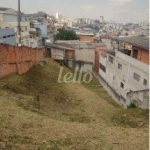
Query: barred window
[145,82]
[122,85]
[136,77]
[110,59]
[103,68]
[120,66]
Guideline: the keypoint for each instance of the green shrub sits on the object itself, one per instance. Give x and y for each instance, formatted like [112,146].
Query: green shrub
[133,104]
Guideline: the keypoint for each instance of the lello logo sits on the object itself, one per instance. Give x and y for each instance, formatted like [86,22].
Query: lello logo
[76,77]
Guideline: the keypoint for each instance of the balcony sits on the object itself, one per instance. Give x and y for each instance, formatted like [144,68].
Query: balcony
[125,51]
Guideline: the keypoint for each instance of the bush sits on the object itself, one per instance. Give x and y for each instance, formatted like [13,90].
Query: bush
[133,104]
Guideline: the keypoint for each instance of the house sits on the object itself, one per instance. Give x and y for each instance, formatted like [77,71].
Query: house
[45,29]
[75,54]
[84,54]
[85,36]
[9,17]
[61,52]
[137,47]
[7,36]
[126,74]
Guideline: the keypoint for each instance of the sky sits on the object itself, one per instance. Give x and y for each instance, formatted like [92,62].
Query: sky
[116,10]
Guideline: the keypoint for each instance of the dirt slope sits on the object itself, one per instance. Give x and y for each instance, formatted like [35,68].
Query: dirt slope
[37,113]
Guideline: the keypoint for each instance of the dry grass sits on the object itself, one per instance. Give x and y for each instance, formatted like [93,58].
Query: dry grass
[37,113]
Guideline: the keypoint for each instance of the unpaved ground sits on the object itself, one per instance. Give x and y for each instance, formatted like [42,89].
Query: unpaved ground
[39,114]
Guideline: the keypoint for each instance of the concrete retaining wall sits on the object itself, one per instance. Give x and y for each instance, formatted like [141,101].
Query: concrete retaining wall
[141,98]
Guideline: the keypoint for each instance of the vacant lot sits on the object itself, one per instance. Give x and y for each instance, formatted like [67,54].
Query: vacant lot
[37,113]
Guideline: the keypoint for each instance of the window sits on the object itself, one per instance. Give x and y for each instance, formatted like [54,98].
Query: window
[113,77]
[110,59]
[120,66]
[136,77]
[135,54]
[122,85]
[145,82]
[103,68]
[26,29]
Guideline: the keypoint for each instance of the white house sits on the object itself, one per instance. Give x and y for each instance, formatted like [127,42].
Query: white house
[125,74]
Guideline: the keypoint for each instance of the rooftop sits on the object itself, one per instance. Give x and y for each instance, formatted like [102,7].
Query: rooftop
[137,41]
[77,44]
[99,44]
[3,9]
[85,33]
[109,51]
[63,47]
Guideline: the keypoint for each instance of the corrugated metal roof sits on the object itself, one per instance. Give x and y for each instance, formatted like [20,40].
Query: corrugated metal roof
[109,51]
[77,44]
[99,44]
[59,46]
[137,41]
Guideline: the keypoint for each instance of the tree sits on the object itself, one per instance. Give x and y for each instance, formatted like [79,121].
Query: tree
[66,35]
[45,16]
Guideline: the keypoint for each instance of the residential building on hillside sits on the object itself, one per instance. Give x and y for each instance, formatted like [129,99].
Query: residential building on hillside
[45,30]
[9,19]
[77,55]
[61,52]
[137,47]
[126,70]
[85,36]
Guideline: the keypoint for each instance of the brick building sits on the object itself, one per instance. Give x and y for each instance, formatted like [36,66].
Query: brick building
[85,36]
[136,47]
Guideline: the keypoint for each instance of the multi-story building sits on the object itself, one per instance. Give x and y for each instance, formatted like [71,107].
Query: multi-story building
[126,70]
[59,17]
[101,19]
[70,24]
[9,19]
[89,21]
[45,30]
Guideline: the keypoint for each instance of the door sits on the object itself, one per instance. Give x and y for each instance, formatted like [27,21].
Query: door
[135,54]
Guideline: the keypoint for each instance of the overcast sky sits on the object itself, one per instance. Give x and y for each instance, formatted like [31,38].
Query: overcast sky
[118,10]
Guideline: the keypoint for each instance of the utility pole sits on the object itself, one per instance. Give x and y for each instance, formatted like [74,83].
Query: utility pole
[19,24]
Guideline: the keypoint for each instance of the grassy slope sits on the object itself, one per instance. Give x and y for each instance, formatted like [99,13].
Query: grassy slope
[38,113]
